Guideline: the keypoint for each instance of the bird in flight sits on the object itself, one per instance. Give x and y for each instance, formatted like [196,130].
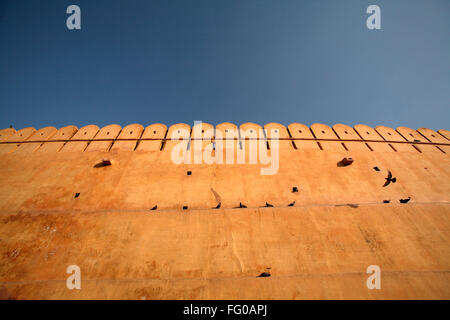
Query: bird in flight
[389,179]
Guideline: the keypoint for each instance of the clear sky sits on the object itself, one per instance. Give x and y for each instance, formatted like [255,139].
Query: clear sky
[262,61]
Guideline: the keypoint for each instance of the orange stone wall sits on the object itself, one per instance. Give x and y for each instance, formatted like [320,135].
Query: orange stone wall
[316,243]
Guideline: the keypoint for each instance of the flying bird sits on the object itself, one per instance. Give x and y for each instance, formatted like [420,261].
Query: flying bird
[389,179]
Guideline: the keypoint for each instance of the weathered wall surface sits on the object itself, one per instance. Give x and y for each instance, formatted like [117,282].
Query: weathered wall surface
[338,224]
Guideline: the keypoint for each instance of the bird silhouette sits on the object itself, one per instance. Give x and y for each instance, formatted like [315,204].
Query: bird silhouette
[405,200]
[291,204]
[389,179]
[264,275]
[103,163]
[346,162]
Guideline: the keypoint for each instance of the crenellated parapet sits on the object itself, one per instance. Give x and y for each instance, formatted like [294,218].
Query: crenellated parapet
[157,137]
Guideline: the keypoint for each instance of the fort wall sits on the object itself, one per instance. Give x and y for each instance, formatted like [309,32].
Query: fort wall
[143,227]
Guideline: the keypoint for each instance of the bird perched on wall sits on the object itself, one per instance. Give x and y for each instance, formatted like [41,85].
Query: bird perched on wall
[405,200]
[389,179]
[264,275]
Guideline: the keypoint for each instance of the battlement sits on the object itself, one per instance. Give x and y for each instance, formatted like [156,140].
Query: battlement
[154,137]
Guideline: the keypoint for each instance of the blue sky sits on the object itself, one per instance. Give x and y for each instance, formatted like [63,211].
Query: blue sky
[262,61]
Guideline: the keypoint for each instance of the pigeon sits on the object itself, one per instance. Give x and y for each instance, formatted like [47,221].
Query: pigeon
[103,163]
[347,161]
[264,275]
[405,200]
[291,204]
[389,179]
